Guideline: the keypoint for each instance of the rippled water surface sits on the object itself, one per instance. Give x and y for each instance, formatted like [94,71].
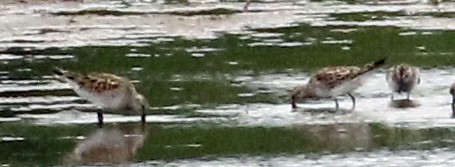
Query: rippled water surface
[218,76]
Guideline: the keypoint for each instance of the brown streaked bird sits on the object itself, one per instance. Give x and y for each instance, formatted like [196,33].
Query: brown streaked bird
[331,82]
[403,78]
[108,91]
[452,92]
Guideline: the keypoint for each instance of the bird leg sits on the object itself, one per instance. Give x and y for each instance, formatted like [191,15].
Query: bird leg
[245,8]
[143,118]
[353,101]
[100,118]
[336,105]
[143,115]
[407,95]
[391,97]
[453,106]
[294,103]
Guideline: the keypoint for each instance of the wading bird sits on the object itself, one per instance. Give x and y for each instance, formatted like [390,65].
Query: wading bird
[108,91]
[331,82]
[403,78]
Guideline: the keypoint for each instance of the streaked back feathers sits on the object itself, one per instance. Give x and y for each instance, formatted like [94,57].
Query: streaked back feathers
[334,76]
[96,82]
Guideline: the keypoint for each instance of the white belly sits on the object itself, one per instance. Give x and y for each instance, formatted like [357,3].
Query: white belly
[107,100]
[347,87]
[392,85]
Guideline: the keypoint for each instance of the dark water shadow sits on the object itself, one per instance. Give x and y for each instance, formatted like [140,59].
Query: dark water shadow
[404,103]
[327,110]
[115,144]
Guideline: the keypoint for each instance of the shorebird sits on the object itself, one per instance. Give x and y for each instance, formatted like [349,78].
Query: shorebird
[403,78]
[331,82]
[452,92]
[108,91]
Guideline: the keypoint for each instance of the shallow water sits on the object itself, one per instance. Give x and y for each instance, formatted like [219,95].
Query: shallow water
[373,103]
[438,157]
[218,79]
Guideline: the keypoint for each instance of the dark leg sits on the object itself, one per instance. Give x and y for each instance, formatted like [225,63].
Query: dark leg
[453,106]
[336,105]
[294,105]
[143,118]
[100,118]
[245,8]
[143,115]
[353,101]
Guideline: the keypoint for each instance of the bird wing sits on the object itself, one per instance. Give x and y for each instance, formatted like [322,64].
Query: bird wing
[334,76]
[101,82]
[393,74]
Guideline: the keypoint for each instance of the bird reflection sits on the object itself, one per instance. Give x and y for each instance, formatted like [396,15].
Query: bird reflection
[339,136]
[109,145]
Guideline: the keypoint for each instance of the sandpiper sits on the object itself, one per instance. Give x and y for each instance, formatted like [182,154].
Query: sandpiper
[331,82]
[108,91]
[452,92]
[403,78]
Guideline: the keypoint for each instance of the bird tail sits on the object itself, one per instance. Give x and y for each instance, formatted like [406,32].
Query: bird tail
[373,66]
[65,75]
